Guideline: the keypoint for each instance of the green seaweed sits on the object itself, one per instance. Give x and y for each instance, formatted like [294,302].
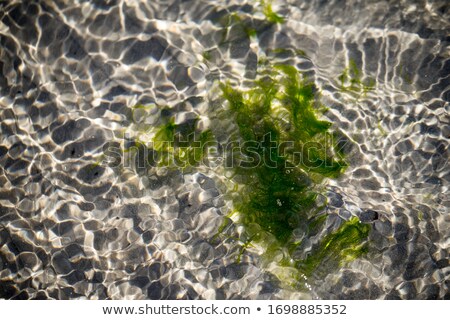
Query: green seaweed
[207,56]
[420,216]
[344,245]
[174,146]
[181,146]
[279,186]
[163,139]
[271,16]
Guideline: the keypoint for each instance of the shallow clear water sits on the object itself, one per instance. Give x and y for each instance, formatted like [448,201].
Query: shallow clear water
[73,225]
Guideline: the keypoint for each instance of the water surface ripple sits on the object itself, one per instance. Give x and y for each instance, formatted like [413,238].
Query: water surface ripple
[71,71]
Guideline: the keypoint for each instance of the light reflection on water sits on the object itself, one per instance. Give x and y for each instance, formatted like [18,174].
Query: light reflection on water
[71,73]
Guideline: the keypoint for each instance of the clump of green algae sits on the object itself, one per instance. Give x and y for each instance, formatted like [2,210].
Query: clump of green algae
[170,145]
[181,148]
[271,16]
[339,247]
[280,189]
